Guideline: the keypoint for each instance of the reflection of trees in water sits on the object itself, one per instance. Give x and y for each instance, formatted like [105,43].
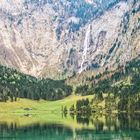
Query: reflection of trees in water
[99,126]
[124,122]
[129,121]
[82,119]
[34,131]
[72,116]
[112,123]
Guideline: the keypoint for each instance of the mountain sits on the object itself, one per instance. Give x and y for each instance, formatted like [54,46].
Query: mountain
[60,38]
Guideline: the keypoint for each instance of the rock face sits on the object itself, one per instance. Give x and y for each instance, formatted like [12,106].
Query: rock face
[59,38]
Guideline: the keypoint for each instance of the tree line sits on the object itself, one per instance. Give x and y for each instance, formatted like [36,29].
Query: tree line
[14,84]
[124,84]
[82,107]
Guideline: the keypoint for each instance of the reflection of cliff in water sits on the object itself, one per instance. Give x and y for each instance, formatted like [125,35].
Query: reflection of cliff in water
[122,126]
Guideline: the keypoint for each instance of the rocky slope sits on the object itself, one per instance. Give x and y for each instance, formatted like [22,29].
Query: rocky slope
[59,38]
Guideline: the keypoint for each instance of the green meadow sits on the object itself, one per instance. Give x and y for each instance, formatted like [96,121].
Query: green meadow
[41,106]
[41,112]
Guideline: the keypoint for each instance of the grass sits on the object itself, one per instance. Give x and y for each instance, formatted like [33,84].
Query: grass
[39,106]
[21,120]
[45,112]
[42,112]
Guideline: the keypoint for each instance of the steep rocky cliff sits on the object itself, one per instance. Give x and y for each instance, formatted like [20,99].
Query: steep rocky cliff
[59,38]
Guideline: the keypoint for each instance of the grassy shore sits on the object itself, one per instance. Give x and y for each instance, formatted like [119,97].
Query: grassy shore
[39,106]
[23,121]
[42,112]
[45,112]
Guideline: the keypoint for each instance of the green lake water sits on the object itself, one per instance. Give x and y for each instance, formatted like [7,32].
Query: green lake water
[120,127]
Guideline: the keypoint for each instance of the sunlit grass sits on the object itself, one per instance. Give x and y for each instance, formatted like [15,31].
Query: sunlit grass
[45,112]
[42,112]
[48,118]
[39,106]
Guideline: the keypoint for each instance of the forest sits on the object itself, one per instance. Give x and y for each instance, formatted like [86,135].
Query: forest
[119,89]
[125,80]
[124,85]
[14,84]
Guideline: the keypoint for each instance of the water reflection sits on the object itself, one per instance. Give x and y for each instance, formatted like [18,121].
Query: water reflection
[118,127]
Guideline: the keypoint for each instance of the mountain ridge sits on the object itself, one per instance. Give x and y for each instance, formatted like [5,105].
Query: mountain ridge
[57,39]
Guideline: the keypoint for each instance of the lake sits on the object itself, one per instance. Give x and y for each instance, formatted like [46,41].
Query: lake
[102,127]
